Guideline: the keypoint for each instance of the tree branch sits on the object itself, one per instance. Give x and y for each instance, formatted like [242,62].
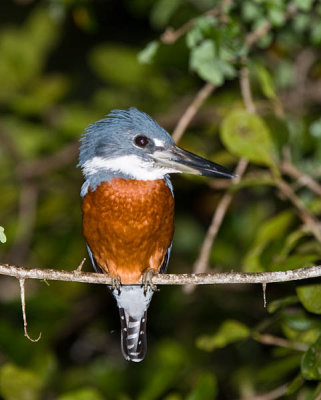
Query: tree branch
[23,306]
[165,279]
[170,35]
[271,340]
[192,109]
[273,395]
[303,179]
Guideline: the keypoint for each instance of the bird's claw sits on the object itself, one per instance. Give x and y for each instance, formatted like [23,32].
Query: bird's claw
[147,281]
[116,283]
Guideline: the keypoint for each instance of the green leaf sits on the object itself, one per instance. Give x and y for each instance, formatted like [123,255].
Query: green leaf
[301,23]
[43,93]
[18,383]
[315,128]
[205,388]
[3,237]
[273,229]
[277,16]
[229,332]
[295,385]
[316,33]
[311,362]
[147,54]
[317,391]
[246,135]
[290,243]
[279,368]
[173,396]
[266,81]
[24,50]
[304,5]
[82,394]
[118,66]
[205,61]
[251,11]
[162,12]
[193,37]
[275,305]
[203,28]
[310,297]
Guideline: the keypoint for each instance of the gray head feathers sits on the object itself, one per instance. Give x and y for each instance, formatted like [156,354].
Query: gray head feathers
[112,136]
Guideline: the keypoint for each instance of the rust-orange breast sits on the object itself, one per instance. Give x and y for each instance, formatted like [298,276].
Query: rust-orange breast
[128,225]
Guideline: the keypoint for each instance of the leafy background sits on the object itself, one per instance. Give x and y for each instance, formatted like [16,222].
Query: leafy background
[65,64]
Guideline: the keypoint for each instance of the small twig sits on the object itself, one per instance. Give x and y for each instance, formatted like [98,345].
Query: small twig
[302,65]
[318,397]
[256,35]
[165,279]
[79,268]
[289,169]
[253,37]
[273,395]
[191,110]
[264,294]
[23,306]
[308,219]
[171,35]
[246,90]
[265,338]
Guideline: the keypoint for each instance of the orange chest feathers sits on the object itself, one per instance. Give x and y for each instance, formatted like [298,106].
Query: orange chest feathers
[128,225]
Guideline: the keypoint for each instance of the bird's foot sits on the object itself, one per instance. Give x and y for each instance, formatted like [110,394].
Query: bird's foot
[147,281]
[116,283]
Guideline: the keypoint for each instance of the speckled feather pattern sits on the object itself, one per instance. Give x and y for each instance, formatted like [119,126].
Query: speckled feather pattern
[128,225]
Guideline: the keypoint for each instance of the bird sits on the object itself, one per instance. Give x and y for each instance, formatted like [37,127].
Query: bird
[128,210]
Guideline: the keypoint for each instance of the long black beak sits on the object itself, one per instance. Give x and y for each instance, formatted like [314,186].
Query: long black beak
[183,161]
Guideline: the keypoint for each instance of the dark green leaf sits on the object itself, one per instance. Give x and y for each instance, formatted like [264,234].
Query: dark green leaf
[229,332]
[205,61]
[275,305]
[311,362]
[147,54]
[266,81]
[295,385]
[246,135]
[304,5]
[19,384]
[271,230]
[162,12]
[82,394]
[310,297]
[205,388]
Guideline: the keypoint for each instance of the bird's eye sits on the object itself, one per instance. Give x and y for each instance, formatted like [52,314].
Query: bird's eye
[141,141]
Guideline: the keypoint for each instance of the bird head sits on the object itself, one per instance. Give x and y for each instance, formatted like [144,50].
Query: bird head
[130,144]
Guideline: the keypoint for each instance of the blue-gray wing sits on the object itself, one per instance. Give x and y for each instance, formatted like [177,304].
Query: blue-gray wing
[93,261]
[163,268]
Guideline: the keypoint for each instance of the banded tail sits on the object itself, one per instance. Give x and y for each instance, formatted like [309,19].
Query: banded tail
[133,305]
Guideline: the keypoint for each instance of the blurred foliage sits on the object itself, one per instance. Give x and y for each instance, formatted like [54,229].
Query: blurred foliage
[65,64]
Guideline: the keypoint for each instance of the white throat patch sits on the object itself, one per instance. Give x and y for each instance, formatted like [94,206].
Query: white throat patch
[131,165]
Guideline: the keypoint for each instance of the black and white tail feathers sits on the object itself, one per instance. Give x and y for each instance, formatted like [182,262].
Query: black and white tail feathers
[133,304]
[133,336]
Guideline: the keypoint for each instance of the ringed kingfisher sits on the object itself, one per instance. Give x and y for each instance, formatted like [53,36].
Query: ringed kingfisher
[128,210]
